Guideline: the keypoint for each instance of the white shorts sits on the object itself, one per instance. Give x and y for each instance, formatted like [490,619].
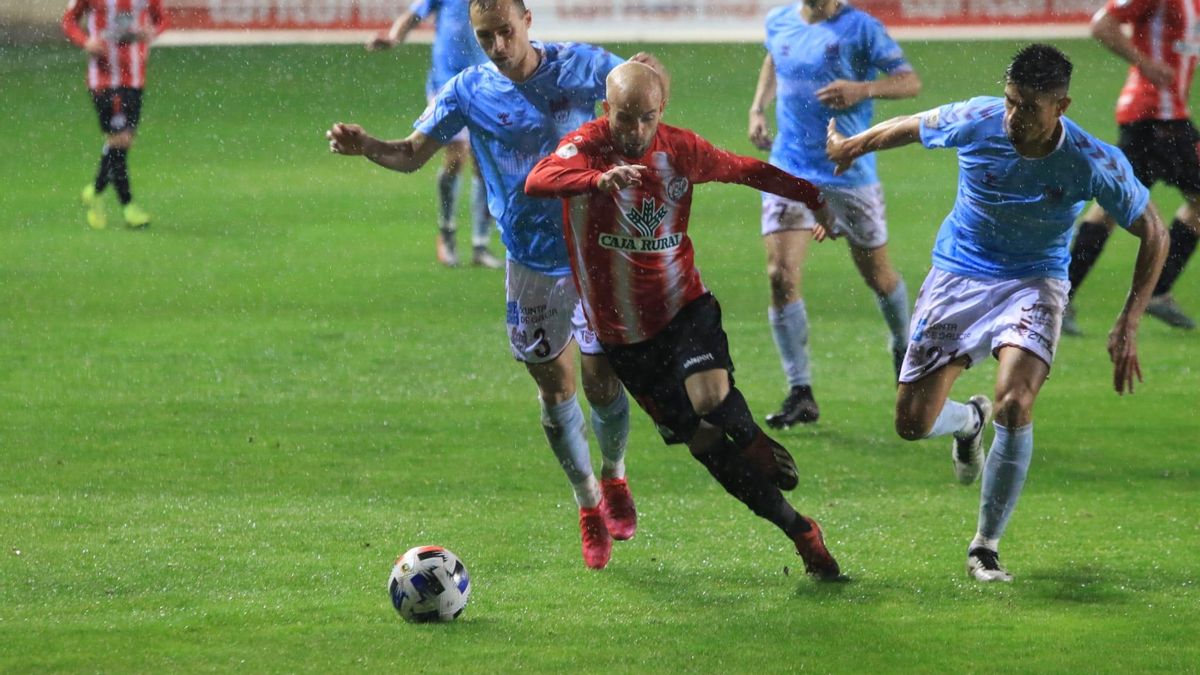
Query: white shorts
[859,212]
[965,316]
[543,315]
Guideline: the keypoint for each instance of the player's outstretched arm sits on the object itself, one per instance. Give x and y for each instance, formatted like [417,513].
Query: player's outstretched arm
[764,94]
[893,133]
[405,156]
[396,34]
[1122,340]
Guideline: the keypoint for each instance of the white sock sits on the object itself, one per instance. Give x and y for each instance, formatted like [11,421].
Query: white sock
[1003,478]
[566,432]
[894,307]
[960,419]
[981,541]
[610,423]
[789,326]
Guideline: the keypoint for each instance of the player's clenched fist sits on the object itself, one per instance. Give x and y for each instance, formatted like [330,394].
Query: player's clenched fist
[620,177]
[346,139]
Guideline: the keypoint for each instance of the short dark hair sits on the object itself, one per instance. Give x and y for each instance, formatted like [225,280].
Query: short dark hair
[1040,67]
[492,4]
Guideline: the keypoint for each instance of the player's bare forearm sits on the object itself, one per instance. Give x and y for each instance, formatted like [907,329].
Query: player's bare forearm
[905,84]
[893,133]
[764,91]
[1152,251]
[1106,30]
[395,155]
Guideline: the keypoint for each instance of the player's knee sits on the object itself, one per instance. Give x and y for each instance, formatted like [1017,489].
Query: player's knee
[707,400]
[601,391]
[1014,408]
[121,140]
[910,425]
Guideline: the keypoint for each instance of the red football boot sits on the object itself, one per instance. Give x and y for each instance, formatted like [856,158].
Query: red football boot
[817,560]
[597,543]
[617,506]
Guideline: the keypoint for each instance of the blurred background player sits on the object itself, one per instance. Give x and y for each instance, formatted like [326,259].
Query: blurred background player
[517,107]
[1156,134]
[626,183]
[999,280]
[822,60]
[117,41]
[454,49]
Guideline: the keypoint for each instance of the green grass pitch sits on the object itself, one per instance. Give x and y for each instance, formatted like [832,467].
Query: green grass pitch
[216,435]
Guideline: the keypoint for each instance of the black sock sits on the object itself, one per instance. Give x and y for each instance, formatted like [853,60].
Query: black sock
[119,173]
[1089,242]
[102,173]
[734,418]
[1183,245]
[741,480]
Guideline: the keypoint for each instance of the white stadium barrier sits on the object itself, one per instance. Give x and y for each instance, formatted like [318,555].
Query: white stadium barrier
[273,21]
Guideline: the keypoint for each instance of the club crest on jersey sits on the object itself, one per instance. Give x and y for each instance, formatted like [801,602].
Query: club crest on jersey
[677,188]
[645,219]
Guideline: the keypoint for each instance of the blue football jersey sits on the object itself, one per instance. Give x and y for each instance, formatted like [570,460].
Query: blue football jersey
[513,125]
[1013,216]
[850,45]
[454,45]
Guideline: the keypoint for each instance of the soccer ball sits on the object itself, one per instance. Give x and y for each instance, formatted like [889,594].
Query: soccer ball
[429,583]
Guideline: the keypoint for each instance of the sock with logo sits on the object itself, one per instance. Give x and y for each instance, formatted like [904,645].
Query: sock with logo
[789,326]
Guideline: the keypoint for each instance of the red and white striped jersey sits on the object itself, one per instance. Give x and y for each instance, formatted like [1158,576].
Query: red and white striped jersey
[630,253]
[115,22]
[1168,31]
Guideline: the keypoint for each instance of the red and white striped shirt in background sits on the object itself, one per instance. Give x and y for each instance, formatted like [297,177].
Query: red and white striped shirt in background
[631,257]
[113,22]
[1167,31]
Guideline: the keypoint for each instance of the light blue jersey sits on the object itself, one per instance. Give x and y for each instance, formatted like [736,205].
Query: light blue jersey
[454,45]
[1012,218]
[513,125]
[850,45]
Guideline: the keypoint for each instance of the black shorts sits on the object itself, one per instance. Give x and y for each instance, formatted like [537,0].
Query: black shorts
[1163,150]
[654,371]
[119,109]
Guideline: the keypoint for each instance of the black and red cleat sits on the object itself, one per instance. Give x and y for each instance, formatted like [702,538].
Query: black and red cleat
[773,461]
[818,562]
[620,515]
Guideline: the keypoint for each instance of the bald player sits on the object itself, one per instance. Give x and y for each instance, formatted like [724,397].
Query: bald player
[626,184]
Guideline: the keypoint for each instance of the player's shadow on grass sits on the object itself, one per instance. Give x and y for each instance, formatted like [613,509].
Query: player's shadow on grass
[1086,585]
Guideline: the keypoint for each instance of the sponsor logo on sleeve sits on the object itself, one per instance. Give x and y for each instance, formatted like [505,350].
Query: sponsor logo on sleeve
[567,151]
[932,119]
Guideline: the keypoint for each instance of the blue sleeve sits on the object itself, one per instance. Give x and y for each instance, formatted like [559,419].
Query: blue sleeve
[1116,189]
[884,53]
[948,126]
[423,8]
[444,117]
[600,63]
